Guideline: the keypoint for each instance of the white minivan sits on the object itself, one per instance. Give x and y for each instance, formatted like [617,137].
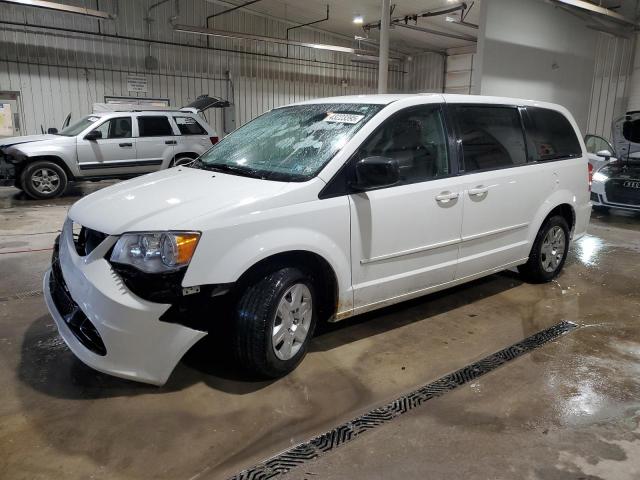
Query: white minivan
[315,212]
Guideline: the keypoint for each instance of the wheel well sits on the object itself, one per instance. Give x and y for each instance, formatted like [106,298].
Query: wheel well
[185,154]
[566,211]
[317,267]
[50,158]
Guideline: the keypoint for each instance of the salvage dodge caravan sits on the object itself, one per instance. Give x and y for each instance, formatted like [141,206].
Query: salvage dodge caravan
[315,212]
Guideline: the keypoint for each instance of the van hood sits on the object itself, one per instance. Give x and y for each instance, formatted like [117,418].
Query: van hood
[7,142]
[172,199]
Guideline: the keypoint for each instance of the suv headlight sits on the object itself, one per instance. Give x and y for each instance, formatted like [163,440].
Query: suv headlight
[155,252]
[600,177]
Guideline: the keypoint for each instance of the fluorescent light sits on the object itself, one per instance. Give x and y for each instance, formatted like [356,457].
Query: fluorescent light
[449,19]
[359,37]
[357,19]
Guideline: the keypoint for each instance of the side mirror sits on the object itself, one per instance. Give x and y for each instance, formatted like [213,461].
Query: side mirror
[52,131]
[93,135]
[606,154]
[376,172]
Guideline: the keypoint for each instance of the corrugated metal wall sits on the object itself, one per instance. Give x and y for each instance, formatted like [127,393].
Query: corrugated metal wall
[425,73]
[57,72]
[610,89]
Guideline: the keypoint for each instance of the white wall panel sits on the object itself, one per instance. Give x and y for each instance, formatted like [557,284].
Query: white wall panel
[60,72]
[610,90]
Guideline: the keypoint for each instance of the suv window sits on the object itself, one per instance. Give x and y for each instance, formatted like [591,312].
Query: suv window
[595,144]
[154,126]
[116,128]
[491,137]
[416,138]
[550,136]
[189,126]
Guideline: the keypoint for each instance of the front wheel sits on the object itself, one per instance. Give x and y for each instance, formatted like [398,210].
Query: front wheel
[44,179]
[275,320]
[549,251]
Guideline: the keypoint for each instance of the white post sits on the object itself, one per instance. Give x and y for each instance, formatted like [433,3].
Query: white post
[383,64]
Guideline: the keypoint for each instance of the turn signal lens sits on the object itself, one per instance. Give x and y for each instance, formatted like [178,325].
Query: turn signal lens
[186,246]
[590,175]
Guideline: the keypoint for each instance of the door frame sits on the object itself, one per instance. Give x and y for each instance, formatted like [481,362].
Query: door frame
[20,112]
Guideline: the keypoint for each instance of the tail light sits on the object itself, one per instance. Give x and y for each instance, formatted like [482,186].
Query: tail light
[214,140]
[590,167]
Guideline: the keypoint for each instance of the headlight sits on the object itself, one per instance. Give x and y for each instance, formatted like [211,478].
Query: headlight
[599,177]
[155,252]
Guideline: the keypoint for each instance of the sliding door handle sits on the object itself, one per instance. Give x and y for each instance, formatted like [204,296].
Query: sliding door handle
[478,191]
[446,197]
[170,142]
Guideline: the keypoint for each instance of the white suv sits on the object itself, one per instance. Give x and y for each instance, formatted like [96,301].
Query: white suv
[103,145]
[316,212]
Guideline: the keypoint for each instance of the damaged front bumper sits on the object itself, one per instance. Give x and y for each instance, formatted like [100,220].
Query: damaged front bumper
[104,324]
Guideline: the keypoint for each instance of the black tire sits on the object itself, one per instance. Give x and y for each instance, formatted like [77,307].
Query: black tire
[255,316]
[54,188]
[534,270]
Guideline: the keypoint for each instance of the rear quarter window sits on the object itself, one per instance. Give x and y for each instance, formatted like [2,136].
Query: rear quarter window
[550,136]
[189,126]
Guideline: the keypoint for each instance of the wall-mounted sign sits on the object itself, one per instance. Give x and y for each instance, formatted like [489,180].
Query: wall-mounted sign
[137,83]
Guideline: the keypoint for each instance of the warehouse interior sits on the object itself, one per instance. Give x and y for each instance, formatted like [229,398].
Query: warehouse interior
[497,378]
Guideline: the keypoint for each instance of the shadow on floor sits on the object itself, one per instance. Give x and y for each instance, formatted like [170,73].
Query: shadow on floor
[48,366]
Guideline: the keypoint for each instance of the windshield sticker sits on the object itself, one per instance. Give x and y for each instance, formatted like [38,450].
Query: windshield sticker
[343,117]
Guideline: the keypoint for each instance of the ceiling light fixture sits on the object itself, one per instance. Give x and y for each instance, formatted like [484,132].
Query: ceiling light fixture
[358,20]
[449,19]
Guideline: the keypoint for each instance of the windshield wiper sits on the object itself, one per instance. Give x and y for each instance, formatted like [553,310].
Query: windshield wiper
[225,168]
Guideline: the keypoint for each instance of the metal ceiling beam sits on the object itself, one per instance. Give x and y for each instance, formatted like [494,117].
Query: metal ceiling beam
[282,41]
[457,36]
[415,16]
[597,10]
[88,12]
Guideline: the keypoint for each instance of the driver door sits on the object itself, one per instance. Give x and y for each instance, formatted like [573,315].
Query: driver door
[405,238]
[113,151]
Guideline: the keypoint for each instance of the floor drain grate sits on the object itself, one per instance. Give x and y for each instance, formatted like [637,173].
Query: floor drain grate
[304,452]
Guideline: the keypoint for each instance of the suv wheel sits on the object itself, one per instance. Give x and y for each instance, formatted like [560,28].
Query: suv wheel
[178,161]
[549,251]
[275,320]
[44,179]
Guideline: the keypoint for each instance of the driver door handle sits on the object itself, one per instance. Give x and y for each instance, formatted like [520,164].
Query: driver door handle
[478,191]
[125,145]
[446,197]
[171,142]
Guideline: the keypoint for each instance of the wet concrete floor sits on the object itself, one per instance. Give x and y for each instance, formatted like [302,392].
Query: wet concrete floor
[570,409]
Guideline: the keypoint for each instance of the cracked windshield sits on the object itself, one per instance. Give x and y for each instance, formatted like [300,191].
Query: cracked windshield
[290,143]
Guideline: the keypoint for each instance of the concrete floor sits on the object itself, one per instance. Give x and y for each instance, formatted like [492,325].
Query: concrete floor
[569,410]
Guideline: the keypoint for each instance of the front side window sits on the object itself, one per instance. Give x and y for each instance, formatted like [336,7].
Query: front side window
[189,126]
[416,139]
[154,126]
[550,135]
[290,143]
[491,137]
[596,144]
[116,128]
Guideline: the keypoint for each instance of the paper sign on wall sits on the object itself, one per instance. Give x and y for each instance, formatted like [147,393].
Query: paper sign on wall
[6,120]
[137,83]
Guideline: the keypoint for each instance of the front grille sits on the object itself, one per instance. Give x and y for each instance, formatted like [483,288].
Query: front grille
[595,197]
[618,193]
[87,240]
[73,316]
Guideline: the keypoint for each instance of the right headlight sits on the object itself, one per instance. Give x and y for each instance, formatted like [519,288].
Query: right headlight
[599,177]
[155,252]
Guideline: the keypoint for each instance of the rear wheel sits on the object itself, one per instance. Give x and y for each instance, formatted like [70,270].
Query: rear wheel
[44,179]
[275,320]
[549,251]
[179,161]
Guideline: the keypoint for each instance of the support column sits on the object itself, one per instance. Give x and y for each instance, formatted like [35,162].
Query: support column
[383,64]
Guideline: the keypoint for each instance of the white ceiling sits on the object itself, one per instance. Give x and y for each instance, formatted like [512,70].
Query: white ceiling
[341,13]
